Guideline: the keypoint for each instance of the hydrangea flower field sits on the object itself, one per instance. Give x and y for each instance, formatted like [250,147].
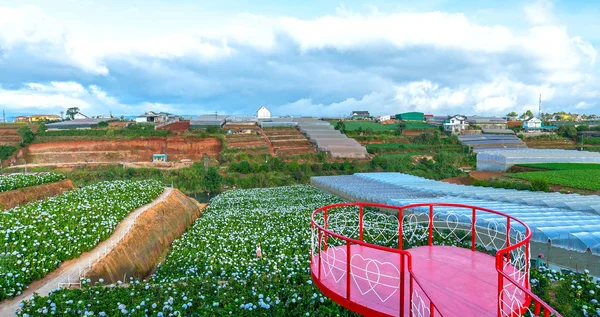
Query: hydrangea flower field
[16,181]
[35,238]
[213,269]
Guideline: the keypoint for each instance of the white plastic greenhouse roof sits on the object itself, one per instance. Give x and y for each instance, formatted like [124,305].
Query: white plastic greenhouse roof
[501,160]
[323,135]
[571,221]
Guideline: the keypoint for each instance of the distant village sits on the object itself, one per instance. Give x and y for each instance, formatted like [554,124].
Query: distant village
[456,124]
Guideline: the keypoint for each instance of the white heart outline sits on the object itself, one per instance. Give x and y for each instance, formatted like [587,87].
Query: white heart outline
[332,265]
[418,306]
[380,225]
[373,284]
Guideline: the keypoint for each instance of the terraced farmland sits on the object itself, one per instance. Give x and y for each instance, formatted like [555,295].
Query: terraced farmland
[288,142]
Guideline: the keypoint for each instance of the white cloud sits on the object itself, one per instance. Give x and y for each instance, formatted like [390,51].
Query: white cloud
[331,64]
[57,96]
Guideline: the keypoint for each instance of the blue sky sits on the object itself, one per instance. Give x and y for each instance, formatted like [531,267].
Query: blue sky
[298,58]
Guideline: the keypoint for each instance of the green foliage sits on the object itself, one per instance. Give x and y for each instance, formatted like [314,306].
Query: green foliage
[212,180]
[133,131]
[71,112]
[539,185]
[502,183]
[582,179]
[567,132]
[6,151]
[341,126]
[26,134]
[102,124]
[512,114]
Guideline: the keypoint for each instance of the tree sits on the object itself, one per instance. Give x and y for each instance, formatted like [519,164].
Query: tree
[212,180]
[341,126]
[528,114]
[401,127]
[71,112]
[103,124]
[512,114]
[26,135]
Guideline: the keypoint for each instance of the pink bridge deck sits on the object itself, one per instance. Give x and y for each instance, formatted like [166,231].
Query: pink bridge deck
[459,281]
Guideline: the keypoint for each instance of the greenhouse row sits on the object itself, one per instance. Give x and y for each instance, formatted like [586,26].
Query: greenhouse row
[500,160]
[77,123]
[327,139]
[569,221]
[484,142]
[208,121]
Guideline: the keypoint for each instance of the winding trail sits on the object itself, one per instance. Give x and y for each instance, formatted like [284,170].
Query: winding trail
[79,265]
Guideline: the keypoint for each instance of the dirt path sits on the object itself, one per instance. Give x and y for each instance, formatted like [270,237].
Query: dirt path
[269,144]
[72,268]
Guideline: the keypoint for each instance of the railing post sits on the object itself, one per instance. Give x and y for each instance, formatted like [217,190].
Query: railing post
[410,289]
[326,226]
[500,282]
[430,225]
[320,252]
[473,229]
[431,308]
[360,223]
[348,269]
[400,228]
[508,239]
[402,285]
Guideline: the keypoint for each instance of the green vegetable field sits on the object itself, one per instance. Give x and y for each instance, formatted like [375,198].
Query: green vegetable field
[576,178]
[562,166]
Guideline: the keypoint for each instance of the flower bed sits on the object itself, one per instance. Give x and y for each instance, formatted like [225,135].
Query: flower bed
[213,270]
[572,294]
[35,238]
[16,181]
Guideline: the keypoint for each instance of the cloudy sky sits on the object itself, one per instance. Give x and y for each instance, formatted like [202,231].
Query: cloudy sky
[309,58]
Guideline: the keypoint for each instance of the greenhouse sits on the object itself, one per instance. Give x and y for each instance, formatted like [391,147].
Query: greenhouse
[207,121]
[570,221]
[499,160]
[326,139]
[77,124]
[486,142]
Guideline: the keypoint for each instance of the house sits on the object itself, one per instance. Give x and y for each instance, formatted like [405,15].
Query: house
[263,113]
[532,123]
[411,116]
[156,117]
[384,118]
[360,114]
[428,117]
[21,119]
[43,117]
[456,124]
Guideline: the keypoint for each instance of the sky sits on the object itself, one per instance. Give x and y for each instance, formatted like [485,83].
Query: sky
[318,58]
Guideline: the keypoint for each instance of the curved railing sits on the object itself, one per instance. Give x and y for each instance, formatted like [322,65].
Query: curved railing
[343,236]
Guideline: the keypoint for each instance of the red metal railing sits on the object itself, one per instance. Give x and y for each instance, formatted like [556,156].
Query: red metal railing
[503,234]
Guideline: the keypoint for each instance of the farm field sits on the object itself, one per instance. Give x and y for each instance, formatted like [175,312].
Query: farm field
[213,270]
[576,178]
[562,166]
[16,181]
[37,237]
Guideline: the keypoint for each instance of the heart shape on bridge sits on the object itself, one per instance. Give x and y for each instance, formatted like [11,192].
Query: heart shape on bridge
[334,262]
[378,226]
[369,275]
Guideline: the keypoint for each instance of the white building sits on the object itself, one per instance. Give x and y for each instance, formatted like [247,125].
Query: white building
[384,118]
[532,124]
[263,113]
[456,124]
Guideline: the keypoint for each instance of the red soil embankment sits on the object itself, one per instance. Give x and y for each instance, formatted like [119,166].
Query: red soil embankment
[21,196]
[117,151]
[148,240]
